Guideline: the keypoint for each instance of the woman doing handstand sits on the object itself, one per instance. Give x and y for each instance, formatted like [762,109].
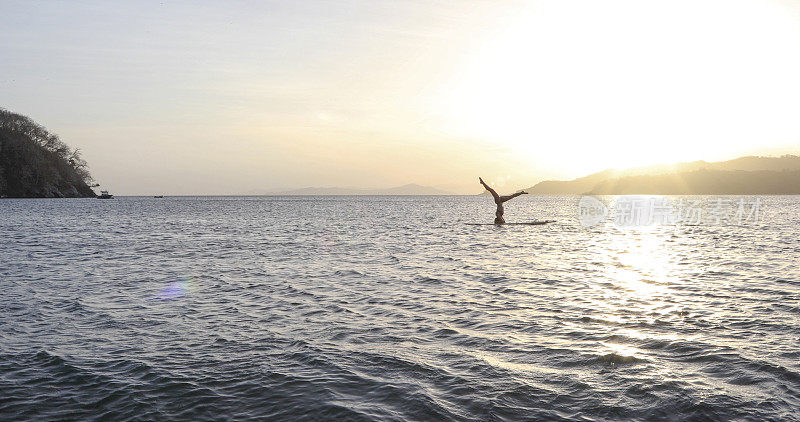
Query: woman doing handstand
[499,201]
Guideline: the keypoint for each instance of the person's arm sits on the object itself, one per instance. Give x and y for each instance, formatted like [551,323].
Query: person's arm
[512,196]
[494,194]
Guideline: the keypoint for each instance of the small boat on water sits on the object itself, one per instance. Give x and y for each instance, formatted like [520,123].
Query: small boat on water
[105,195]
[158,196]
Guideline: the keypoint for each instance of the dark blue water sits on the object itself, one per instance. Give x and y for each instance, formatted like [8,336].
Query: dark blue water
[391,308]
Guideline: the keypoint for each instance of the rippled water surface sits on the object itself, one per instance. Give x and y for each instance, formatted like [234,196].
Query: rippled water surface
[391,308]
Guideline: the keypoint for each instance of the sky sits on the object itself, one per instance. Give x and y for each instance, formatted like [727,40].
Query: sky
[234,97]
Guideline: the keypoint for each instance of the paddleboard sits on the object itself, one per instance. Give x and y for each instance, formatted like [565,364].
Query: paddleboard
[532,223]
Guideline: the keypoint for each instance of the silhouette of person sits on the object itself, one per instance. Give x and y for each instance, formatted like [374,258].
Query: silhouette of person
[499,201]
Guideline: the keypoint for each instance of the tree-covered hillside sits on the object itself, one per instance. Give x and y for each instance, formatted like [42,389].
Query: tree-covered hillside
[35,163]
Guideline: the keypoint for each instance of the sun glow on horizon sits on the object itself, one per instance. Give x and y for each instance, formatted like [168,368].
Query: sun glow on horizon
[630,83]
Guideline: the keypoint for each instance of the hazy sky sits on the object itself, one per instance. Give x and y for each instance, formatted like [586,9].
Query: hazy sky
[229,97]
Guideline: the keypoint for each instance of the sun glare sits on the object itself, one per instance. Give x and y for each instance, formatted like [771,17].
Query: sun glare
[626,83]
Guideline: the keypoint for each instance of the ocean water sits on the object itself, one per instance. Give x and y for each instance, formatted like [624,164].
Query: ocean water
[392,308]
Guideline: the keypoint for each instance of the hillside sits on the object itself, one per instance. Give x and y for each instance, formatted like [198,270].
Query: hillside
[744,175]
[700,182]
[35,163]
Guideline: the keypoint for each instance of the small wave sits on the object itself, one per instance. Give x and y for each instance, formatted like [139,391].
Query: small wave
[348,273]
[617,359]
[428,280]
[608,359]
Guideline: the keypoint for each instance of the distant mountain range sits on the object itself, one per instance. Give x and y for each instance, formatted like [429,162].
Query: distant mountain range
[743,176]
[410,189]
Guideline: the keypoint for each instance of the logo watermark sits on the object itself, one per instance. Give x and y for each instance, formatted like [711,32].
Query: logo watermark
[638,211]
[591,211]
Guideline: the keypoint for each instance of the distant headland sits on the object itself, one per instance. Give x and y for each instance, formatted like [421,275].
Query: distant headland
[35,163]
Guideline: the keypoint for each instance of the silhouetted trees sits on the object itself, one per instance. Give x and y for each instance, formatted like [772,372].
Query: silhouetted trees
[37,163]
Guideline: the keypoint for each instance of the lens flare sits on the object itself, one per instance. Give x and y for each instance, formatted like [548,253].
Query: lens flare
[177,289]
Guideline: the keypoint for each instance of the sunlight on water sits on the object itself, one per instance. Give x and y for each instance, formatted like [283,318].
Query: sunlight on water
[641,261]
[622,350]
